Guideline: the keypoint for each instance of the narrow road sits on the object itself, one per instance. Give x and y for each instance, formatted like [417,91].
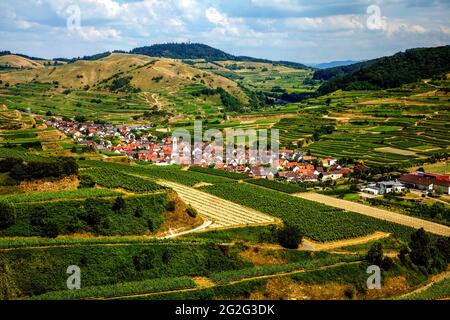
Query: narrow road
[381,214]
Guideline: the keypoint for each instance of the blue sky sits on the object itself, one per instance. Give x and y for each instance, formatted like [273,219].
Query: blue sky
[303,31]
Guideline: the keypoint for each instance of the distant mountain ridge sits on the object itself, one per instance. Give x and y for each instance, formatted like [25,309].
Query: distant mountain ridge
[387,72]
[333,64]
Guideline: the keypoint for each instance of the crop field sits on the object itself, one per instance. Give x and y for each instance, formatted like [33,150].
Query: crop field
[223,213]
[317,221]
[115,179]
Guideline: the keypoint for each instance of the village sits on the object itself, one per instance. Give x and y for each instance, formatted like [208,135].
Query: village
[135,142]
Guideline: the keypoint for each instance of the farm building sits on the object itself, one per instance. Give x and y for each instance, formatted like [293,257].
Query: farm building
[427,181]
[384,187]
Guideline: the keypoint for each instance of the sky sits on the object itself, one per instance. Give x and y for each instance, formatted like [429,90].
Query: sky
[296,30]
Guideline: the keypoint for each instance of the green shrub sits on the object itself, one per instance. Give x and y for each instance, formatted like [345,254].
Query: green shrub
[290,236]
[7,215]
[191,211]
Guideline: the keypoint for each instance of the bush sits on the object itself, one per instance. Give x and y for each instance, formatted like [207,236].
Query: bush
[191,211]
[49,229]
[7,215]
[171,206]
[7,164]
[119,204]
[375,254]
[290,237]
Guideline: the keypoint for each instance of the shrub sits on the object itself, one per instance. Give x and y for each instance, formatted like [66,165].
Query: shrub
[9,163]
[171,206]
[119,204]
[7,215]
[290,237]
[375,254]
[49,229]
[191,211]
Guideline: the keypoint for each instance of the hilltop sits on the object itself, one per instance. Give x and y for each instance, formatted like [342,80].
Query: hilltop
[202,51]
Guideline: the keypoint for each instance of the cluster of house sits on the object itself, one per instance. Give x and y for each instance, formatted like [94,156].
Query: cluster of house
[428,182]
[293,166]
[132,141]
[136,143]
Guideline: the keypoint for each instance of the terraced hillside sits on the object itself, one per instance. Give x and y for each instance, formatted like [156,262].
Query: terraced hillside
[151,83]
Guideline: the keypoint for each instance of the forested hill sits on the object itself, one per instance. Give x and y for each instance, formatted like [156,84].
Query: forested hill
[389,72]
[183,51]
[201,51]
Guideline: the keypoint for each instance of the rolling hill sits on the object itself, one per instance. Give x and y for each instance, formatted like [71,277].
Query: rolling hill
[11,62]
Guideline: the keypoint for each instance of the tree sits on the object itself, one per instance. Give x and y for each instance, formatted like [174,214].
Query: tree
[8,163]
[328,102]
[7,215]
[375,254]
[420,246]
[191,211]
[443,247]
[119,204]
[290,236]
[49,229]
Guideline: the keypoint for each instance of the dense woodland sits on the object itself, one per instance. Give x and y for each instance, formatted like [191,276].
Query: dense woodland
[388,72]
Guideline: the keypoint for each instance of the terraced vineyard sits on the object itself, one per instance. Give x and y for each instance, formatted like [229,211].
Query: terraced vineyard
[223,213]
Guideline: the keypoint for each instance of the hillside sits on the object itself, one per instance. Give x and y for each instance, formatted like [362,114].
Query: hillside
[387,72]
[167,85]
[10,62]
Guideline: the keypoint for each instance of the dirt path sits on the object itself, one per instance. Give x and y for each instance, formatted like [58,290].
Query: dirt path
[310,245]
[377,213]
[221,212]
[434,279]
[205,225]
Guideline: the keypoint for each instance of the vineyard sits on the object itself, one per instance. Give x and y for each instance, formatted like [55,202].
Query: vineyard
[317,221]
[123,289]
[170,173]
[285,187]
[70,194]
[216,172]
[306,264]
[134,267]
[115,179]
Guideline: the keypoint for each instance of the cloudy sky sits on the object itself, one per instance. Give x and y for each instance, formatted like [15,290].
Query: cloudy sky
[298,30]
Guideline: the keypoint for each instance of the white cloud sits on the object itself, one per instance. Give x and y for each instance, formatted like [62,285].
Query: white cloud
[226,25]
[332,23]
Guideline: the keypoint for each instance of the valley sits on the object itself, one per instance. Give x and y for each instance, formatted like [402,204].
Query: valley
[87,178]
